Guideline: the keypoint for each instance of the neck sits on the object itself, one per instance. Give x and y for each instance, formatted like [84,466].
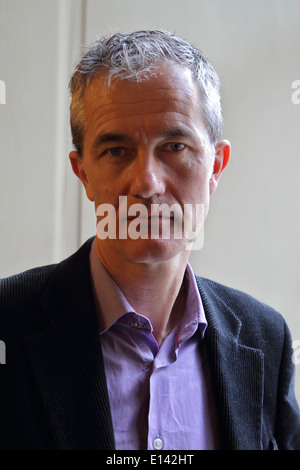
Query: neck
[155,290]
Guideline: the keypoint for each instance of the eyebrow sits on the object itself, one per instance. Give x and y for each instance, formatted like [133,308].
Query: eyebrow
[174,132]
[109,137]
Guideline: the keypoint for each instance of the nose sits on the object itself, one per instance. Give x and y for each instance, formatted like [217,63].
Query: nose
[147,177]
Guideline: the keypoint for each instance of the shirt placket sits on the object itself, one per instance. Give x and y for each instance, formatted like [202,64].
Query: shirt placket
[158,388]
[155,434]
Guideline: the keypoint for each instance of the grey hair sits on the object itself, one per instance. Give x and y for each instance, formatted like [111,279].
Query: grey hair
[134,57]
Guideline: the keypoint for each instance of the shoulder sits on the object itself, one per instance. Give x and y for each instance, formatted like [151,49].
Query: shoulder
[255,318]
[222,294]
[22,296]
[20,302]
[27,284]
[31,283]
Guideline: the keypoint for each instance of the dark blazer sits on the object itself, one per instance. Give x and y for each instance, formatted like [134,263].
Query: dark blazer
[53,392]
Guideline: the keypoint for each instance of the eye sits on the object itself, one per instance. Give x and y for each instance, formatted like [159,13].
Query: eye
[115,151]
[174,146]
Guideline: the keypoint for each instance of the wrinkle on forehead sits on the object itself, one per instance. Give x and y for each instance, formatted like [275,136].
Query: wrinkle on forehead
[168,79]
[172,94]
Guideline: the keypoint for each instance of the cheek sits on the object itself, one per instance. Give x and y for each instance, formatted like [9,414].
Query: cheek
[104,194]
[193,182]
[108,192]
[195,166]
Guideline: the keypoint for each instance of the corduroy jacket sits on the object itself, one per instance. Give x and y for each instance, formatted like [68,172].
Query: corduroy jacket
[53,392]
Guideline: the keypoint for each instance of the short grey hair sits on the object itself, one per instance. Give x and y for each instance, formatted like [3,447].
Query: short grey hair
[133,57]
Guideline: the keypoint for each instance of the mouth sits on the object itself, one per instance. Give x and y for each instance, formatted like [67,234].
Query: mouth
[150,218]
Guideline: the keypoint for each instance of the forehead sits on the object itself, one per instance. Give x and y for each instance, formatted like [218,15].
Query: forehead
[168,94]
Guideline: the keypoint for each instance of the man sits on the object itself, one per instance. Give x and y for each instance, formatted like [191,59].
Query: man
[121,346]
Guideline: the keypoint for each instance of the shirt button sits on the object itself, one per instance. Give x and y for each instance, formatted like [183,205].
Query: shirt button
[158,443]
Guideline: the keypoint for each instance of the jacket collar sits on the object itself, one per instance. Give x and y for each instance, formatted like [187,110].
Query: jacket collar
[237,372]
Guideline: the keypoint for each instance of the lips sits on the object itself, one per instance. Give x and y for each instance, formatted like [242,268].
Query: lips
[150,217]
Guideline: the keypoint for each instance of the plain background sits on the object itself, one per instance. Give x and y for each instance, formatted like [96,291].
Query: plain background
[253,230]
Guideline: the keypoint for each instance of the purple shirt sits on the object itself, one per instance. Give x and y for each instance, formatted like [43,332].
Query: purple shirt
[160,398]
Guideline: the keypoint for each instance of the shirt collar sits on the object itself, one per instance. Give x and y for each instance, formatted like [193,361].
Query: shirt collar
[194,315]
[111,304]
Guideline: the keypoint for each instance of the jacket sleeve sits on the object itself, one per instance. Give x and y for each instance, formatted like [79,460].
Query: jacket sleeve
[287,431]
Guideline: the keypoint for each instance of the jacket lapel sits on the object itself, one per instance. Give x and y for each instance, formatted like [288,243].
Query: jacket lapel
[67,360]
[237,373]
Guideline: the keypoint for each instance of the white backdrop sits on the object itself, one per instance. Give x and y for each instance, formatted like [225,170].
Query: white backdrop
[253,230]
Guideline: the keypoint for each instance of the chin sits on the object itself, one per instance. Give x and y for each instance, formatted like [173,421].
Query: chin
[151,251]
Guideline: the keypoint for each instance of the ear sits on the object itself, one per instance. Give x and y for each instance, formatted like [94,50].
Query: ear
[78,169]
[222,156]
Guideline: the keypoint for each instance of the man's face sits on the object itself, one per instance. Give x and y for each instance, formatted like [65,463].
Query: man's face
[148,142]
